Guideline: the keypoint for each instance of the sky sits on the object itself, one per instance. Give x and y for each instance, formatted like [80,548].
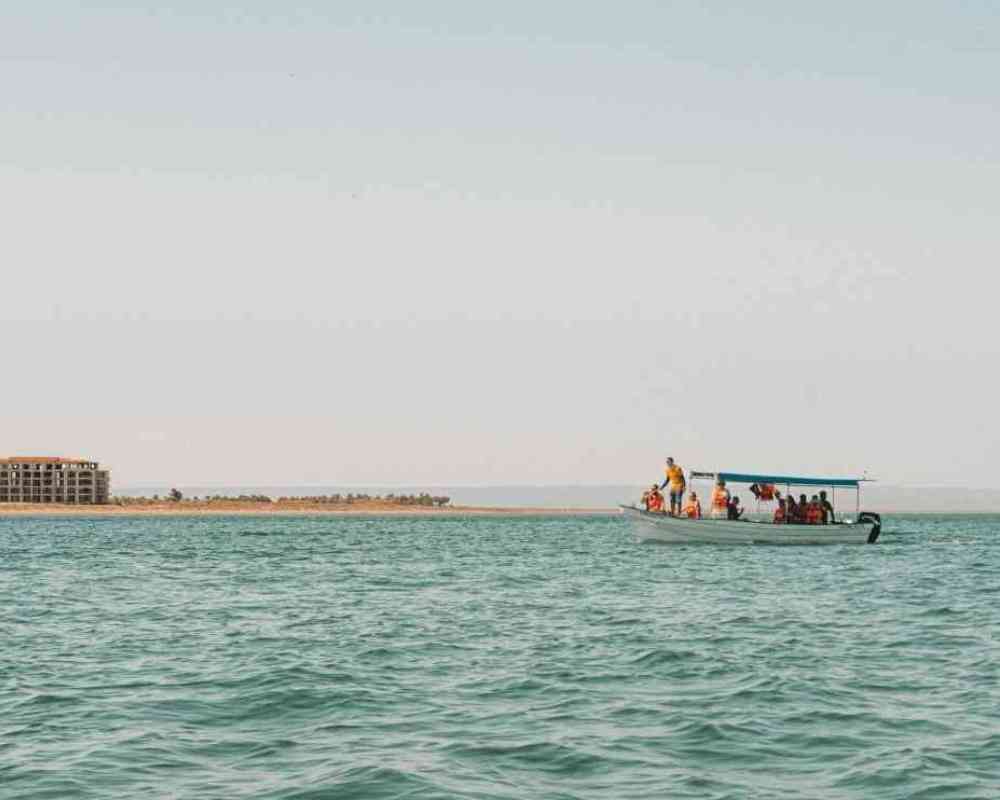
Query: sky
[396,243]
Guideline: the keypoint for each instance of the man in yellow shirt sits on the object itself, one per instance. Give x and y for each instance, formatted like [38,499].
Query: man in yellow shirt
[675,478]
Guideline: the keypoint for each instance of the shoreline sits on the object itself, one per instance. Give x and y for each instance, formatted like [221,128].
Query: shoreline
[232,509]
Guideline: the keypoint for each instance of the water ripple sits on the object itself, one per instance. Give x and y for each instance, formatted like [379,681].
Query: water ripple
[513,657]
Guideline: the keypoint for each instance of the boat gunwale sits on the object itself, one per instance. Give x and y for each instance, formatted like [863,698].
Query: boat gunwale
[657,526]
[657,515]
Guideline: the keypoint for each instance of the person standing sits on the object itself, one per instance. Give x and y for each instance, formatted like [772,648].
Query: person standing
[720,500]
[675,480]
[827,509]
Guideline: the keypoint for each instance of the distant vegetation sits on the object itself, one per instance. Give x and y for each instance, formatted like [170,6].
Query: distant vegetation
[176,496]
[422,499]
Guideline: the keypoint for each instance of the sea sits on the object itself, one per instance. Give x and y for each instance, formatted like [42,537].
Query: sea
[493,657]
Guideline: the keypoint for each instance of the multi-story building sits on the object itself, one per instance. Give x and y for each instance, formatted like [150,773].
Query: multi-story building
[45,479]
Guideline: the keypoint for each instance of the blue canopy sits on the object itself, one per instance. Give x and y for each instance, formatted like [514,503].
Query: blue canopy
[786,480]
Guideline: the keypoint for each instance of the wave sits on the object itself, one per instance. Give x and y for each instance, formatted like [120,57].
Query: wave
[483,658]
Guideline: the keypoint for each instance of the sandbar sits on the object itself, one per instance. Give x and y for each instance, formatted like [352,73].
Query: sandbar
[283,508]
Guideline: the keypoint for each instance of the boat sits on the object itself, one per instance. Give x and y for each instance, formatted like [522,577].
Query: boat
[863,528]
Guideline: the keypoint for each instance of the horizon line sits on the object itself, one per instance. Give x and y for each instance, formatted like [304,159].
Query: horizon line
[438,484]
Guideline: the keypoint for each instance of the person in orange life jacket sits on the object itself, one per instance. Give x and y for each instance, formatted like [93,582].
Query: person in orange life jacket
[655,501]
[780,515]
[802,510]
[693,507]
[674,477]
[827,509]
[814,513]
[733,510]
[720,500]
[649,497]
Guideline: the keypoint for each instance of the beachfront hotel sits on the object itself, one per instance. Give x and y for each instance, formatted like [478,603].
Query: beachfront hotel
[46,479]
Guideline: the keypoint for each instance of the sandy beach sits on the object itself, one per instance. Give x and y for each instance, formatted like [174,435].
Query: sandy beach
[283,508]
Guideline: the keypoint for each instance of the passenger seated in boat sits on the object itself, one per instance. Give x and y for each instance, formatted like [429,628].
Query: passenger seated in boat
[814,512]
[802,510]
[791,510]
[693,507]
[733,510]
[720,500]
[654,500]
[780,513]
[827,509]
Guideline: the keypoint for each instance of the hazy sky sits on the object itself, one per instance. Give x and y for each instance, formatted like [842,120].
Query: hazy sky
[453,242]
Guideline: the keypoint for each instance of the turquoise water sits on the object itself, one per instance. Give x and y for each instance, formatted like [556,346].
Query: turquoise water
[493,658]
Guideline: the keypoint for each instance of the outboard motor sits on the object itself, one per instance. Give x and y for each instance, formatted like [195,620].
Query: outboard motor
[871,516]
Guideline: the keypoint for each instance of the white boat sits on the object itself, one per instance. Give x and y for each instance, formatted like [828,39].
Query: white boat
[665,528]
[661,527]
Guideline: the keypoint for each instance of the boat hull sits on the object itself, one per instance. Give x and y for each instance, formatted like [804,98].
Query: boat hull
[665,528]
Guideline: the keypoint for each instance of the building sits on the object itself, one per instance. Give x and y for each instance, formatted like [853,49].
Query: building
[45,479]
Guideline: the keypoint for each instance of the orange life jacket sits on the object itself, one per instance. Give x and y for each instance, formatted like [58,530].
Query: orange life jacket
[693,509]
[766,491]
[655,502]
[814,514]
[779,515]
[720,498]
